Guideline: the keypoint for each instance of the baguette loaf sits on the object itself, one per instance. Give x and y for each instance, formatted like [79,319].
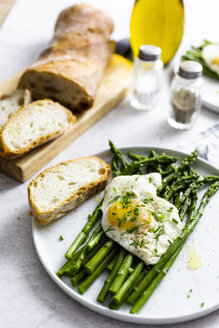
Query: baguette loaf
[33,125]
[70,70]
[61,188]
[9,104]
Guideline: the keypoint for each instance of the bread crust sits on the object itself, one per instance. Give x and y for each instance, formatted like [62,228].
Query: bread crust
[75,199]
[80,51]
[8,153]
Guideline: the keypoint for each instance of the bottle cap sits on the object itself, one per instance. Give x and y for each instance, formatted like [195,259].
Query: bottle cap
[149,52]
[190,69]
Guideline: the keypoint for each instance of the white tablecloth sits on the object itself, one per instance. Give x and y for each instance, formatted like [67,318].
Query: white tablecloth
[28,297]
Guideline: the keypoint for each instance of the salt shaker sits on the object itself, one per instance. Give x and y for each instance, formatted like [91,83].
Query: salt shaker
[185,95]
[147,77]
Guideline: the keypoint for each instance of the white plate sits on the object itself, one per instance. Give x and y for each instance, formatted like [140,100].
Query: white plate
[169,303]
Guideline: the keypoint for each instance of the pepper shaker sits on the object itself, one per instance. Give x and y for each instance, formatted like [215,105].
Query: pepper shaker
[147,76]
[185,95]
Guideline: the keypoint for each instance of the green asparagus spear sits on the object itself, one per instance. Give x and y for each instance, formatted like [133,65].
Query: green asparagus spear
[76,266]
[118,154]
[116,306]
[192,207]
[121,274]
[149,291]
[96,215]
[134,166]
[95,240]
[128,283]
[99,256]
[68,264]
[103,293]
[91,278]
[78,277]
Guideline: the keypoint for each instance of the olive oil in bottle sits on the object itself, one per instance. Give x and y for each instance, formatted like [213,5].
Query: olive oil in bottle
[157,22]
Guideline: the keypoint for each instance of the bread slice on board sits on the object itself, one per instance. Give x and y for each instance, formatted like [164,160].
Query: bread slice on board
[9,104]
[61,188]
[33,125]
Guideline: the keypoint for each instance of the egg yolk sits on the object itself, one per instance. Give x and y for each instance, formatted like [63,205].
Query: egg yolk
[128,216]
[216,61]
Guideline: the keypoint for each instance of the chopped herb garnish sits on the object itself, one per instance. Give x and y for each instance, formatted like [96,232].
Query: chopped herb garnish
[61,237]
[109,229]
[136,179]
[142,244]
[114,189]
[174,220]
[170,210]
[155,250]
[149,179]
[134,242]
[113,213]
[169,242]
[190,290]
[159,231]
[120,221]
[159,216]
[202,304]
[125,217]
[188,296]
[134,218]
[114,199]
[134,228]
[147,200]
[137,210]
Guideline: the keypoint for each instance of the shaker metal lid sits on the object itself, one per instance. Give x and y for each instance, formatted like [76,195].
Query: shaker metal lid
[149,52]
[190,69]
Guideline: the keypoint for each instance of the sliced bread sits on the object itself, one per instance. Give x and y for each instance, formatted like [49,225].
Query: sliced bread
[33,125]
[9,104]
[63,187]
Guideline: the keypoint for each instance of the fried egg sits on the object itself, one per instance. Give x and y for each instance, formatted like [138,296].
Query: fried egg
[136,218]
[210,54]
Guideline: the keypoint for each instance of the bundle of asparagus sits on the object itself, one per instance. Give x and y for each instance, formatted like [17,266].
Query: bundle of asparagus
[130,279]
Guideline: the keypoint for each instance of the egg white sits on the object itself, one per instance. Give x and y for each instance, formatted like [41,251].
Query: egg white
[143,242]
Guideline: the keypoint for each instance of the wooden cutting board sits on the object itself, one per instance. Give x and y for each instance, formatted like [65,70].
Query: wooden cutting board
[5,6]
[112,90]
